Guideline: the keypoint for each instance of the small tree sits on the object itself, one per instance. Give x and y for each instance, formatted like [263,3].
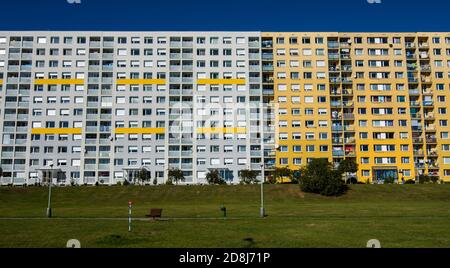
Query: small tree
[348,166]
[320,177]
[213,177]
[282,173]
[248,176]
[144,175]
[296,176]
[176,175]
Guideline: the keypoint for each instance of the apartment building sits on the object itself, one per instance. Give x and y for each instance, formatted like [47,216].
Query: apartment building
[100,106]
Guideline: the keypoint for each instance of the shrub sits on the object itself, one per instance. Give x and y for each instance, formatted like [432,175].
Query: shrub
[353,180]
[213,177]
[410,182]
[320,178]
[126,183]
[389,180]
[248,176]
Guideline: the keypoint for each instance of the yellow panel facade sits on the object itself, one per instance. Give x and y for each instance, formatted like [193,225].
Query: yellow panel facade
[378,98]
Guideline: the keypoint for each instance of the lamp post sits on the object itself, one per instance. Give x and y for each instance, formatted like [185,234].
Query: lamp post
[262,212]
[49,206]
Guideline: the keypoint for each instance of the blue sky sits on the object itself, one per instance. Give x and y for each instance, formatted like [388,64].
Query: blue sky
[216,15]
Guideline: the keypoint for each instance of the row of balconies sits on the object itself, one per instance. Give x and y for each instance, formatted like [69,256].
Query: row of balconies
[418,104]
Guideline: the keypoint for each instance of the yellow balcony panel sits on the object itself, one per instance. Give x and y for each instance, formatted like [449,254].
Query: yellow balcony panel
[55,131]
[1,81]
[236,130]
[221,81]
[141,81]
[59,82]
[140,130]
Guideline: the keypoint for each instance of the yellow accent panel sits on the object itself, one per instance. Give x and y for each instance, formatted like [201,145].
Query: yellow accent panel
[236,130]
[140,130]
[44,131]
[1,81]
[59,82]
[141,82]
[221,81]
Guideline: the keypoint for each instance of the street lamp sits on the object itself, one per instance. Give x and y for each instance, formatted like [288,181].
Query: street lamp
[49,206]
[262,212]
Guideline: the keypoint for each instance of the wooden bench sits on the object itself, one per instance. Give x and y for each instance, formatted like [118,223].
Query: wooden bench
[155,213]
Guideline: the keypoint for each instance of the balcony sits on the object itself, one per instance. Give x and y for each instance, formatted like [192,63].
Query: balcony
[92,167]
[175,68]
[425,68]
[95,43]
[334,45]
[338,153]
[333,56]
[267,43]
[107,68]
[108,56]
[414,92]
[424,46]
[428,103]
[254,56]
[347,80]
[175,56]
[337,128]
[175,44]
[267,56]
[103,167]
[411,56]
[417,128]
[336,104]
[430,129]
[188,56]
[94,56]
[349,117]
[187,68]
[108,43]
[254,44]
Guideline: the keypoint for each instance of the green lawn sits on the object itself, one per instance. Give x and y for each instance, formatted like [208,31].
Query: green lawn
[397,215]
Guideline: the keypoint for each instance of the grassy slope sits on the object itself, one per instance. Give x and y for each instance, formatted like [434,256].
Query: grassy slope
[399,216]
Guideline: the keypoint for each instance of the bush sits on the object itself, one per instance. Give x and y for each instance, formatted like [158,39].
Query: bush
[126,183]
[119,183]
[410,182]
[352,180]
[390,180]
[320,178]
